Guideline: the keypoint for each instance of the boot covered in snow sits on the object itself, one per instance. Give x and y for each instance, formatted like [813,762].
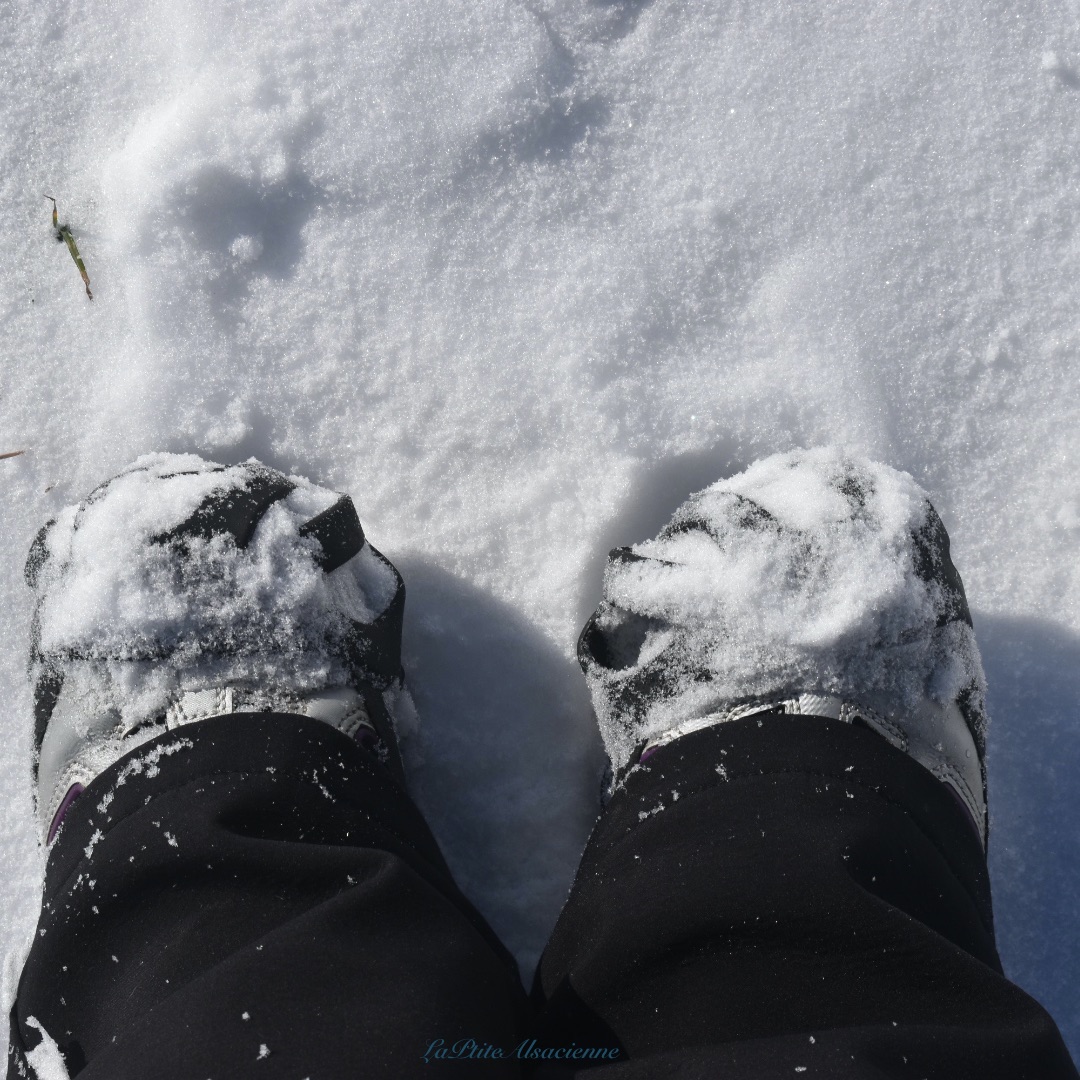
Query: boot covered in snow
[814,583]
[182,589]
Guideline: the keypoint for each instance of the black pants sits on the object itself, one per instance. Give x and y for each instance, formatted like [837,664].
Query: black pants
[253,896]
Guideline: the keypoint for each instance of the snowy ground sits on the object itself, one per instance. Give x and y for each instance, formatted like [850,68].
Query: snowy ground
[519,277]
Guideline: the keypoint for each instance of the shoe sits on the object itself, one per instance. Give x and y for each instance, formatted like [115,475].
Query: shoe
[813,583]
[182,589]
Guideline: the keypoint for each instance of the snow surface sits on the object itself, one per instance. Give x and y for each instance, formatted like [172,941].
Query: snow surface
[520,277]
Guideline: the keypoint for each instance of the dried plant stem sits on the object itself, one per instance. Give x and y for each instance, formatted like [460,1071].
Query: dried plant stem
[63,232]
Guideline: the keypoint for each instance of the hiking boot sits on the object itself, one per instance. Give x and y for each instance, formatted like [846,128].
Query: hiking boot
[182,589]
[814,583]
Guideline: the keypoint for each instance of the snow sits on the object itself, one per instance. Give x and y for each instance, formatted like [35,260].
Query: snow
[797,575]
[520,277]
[46,1059]
[111,594]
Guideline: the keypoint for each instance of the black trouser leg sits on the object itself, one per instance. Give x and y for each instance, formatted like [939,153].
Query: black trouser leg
[788,896]
[253,896]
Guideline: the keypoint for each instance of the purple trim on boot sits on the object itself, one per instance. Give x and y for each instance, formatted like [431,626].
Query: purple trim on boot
[65,805]
[963,806]
[366,737]
[647,753]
